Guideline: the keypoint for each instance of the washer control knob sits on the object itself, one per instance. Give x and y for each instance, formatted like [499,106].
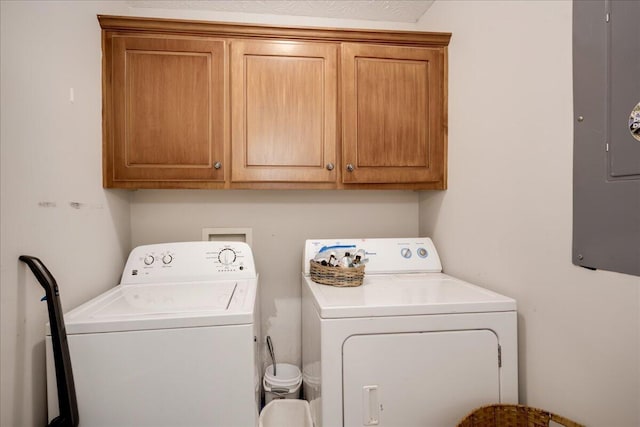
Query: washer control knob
[405,252]
[148,260]
[227,256]
[422,252]
[167,259]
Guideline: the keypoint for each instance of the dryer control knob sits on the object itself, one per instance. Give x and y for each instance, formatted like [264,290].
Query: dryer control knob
[422,252]
[167,259]
[148,260]
[405,252]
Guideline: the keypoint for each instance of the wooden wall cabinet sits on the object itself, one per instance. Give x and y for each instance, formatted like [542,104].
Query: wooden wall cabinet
[392,114]
[284,111]
[189,104]
[164,111]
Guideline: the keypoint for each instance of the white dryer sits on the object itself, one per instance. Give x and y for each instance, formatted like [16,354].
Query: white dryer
[410,347]
[174,344]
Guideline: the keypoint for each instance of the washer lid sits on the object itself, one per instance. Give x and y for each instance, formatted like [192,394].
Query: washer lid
[167,305]
[406,294]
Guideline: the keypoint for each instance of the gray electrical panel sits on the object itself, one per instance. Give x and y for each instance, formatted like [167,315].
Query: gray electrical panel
[606,163]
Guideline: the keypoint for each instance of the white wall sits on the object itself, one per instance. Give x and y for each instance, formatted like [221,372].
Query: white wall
[505,221]
[51,154]
[281,221]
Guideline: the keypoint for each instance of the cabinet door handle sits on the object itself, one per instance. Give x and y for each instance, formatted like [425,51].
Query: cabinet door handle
[330,166]
[350,167]
[217,165]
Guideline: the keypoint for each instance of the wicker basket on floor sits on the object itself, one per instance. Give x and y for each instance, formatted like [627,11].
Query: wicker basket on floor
[513,416]
[336,276]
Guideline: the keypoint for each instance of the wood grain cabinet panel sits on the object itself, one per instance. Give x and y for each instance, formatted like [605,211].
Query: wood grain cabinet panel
[167,110]
[393,101]
[195,104]
[284,111]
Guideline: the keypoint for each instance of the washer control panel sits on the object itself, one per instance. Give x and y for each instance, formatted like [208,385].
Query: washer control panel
[385,255]
[189,261]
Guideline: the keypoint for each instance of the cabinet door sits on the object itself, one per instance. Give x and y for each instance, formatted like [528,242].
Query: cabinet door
[283,117]
[393,120]
[166,101]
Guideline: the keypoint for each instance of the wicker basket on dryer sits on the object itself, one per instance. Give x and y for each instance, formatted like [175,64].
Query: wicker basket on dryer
[513,416]
[336,276]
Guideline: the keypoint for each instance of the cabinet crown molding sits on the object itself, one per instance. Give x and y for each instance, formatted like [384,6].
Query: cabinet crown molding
[237,30]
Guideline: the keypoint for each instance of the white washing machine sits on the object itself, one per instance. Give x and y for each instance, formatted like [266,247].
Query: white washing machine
[410,347]
[174,344]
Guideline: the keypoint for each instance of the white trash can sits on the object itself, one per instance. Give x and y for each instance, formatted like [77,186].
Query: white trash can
[286,413]
[285,385]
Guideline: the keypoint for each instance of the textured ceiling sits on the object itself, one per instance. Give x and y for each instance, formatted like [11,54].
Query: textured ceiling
[374,10]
